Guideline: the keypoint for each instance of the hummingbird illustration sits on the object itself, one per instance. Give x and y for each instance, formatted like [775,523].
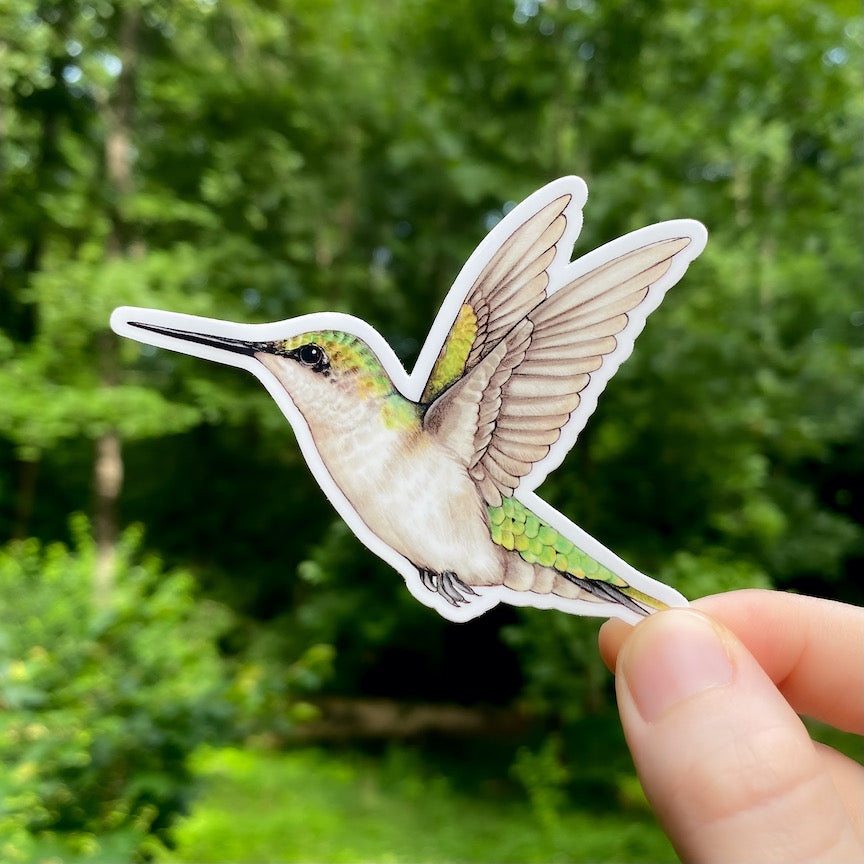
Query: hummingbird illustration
[435,471]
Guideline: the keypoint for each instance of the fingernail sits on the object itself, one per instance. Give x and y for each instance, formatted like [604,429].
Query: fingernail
[670,657]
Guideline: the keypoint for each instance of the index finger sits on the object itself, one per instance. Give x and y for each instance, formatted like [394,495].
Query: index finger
[810,648]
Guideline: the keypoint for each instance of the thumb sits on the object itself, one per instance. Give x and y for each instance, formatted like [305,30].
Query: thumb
[726,763]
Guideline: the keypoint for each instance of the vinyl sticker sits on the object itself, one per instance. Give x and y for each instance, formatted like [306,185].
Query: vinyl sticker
[435,470]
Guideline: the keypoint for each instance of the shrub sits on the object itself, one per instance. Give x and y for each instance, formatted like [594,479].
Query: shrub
[101,699]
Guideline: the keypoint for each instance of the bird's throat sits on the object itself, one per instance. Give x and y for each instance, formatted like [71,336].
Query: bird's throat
[399,414]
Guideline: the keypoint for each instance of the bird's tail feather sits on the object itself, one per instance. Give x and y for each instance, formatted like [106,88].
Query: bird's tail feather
[631,598]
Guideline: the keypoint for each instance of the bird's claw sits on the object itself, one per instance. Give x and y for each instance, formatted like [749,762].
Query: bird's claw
[448,585]
[429,579]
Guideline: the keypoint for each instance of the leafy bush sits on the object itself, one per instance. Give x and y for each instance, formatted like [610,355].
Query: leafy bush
[269,689]
[101,699]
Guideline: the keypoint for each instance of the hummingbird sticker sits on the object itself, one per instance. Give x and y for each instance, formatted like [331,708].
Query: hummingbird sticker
[435,471]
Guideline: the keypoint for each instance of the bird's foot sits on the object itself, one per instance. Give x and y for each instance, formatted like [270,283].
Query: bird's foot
[448,585]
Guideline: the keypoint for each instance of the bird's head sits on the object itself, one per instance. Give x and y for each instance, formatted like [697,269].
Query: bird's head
[324,362]
[325,372]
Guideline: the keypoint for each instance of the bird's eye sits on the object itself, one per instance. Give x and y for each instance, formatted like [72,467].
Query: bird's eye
[313,356]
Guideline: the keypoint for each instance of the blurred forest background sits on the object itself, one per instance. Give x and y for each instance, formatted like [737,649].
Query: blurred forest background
[198,661]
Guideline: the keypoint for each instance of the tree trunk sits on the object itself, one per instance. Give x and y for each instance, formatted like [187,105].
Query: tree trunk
[108,464]
[108,471]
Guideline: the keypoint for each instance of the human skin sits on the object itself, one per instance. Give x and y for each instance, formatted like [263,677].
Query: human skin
[709,698]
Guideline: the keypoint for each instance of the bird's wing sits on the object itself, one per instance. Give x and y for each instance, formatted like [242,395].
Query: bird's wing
[511,284]
[531,367]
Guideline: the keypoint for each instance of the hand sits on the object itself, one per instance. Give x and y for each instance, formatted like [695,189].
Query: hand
[710,710]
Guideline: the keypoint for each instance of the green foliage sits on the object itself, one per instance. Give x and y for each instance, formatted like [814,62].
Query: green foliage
[460,801]
[269,691]
[564,674]
[544,776]
[102,699]
[712,572]
[313,805]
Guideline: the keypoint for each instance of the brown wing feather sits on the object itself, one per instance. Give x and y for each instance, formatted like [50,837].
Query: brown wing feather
[511,284]
[529,382]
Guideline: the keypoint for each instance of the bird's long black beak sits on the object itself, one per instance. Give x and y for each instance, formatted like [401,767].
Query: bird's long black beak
[237,346]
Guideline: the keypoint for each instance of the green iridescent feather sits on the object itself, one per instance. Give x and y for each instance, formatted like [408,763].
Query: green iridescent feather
[450,364]
[516,528]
